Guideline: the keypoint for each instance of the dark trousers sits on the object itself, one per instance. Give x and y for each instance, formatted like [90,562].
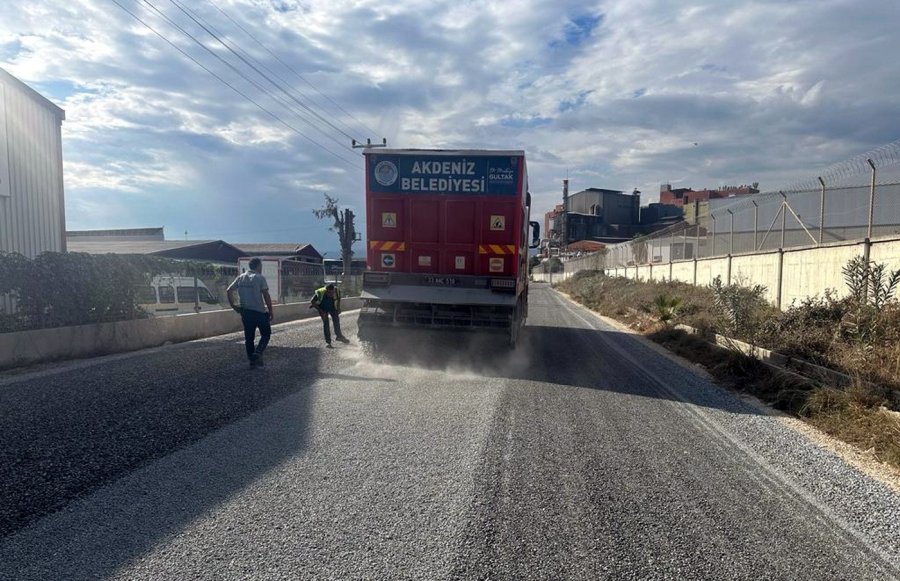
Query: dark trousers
[252,320]
[337,324]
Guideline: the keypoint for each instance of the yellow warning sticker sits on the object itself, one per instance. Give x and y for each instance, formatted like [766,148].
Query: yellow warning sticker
[498,222]
[389,219]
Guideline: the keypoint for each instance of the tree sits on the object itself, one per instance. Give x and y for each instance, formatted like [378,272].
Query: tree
[342,225]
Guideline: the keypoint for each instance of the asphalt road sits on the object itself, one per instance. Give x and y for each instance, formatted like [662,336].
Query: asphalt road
[584,454]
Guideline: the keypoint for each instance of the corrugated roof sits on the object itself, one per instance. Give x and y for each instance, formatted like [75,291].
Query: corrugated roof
[131,246]
[271,248]
[156,231]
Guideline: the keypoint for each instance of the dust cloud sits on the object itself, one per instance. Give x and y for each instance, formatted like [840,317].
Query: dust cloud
[410,354]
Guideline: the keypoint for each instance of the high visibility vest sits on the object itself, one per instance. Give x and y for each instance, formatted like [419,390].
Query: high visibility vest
[320,295]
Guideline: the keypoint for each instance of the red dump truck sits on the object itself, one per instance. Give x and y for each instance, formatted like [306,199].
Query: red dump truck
[447,241]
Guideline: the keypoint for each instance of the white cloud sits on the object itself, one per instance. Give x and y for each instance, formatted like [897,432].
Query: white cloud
[613,93]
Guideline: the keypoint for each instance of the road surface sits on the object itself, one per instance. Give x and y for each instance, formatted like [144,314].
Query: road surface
[585,454]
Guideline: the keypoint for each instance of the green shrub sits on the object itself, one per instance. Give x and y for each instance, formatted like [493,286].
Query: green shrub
[60,289]
[665,308]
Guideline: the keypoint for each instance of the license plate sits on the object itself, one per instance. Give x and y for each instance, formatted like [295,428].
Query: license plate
[441,280]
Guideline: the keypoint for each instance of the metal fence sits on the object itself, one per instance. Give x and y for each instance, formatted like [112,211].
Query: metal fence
[853,200]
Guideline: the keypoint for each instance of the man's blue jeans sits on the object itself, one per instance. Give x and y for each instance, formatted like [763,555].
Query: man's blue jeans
[253,320]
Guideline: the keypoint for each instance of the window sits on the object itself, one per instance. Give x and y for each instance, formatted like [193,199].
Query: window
[166,295]
[186,294]
[145,295]
[206,297]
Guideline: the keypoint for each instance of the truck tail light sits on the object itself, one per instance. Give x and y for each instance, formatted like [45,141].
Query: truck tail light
[376,278]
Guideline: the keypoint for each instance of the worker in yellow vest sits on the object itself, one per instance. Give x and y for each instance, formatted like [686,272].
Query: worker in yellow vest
[328,302]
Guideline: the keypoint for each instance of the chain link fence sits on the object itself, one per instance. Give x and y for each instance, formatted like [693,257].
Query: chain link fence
[853,200]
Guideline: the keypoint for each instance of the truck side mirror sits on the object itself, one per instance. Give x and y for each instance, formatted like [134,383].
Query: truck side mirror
[535,234]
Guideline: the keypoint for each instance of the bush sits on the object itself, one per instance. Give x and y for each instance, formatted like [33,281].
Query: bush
[59,289]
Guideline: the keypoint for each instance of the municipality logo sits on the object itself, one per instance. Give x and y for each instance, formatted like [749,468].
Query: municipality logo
[386,173]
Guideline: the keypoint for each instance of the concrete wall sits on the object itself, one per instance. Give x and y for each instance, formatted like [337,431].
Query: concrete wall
[683,271]
[798,273]
[709,268]
[887,252]
[810,272]
[30,347]
[753,269]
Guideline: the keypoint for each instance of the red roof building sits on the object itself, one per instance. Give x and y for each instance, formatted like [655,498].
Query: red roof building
[684,196]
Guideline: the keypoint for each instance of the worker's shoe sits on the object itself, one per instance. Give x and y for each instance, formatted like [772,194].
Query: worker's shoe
[343,339]
[329,345]
[259,359]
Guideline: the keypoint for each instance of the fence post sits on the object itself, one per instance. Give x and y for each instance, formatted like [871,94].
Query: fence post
[755,225]
[821,211]
[731,236]
[713,253]
[780,278]
[695,271]
[783,216]
[871,200]
[697,241]
[728,270]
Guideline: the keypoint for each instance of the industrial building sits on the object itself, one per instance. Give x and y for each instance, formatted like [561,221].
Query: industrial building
[32,202]
[600,215]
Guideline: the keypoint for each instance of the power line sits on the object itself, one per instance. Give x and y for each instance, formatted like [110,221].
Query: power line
[290,68]
[237,71]
[215,34]
[232,87]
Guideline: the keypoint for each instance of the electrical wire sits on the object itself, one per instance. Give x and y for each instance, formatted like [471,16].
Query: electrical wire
[290,68]
[232,87]
[255,65]
[262,89]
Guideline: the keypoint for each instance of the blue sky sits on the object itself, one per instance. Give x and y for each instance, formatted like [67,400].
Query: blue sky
[616,94]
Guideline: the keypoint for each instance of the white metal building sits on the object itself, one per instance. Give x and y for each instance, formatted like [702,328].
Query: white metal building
[32,204]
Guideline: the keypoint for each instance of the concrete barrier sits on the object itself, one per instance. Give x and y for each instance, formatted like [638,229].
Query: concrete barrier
[43,345]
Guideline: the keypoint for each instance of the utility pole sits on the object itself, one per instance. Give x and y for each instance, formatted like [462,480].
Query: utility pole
[564,242]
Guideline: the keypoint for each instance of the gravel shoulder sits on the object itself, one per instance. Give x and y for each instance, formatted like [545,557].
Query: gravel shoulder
[861,460]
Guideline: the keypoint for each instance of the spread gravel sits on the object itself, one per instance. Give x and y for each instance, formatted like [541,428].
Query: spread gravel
[585,454]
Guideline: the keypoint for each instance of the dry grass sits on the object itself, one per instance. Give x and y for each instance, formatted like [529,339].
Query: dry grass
[864,415]
[854,417]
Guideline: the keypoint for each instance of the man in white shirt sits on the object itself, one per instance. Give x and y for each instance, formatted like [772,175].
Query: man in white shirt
[253,290]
